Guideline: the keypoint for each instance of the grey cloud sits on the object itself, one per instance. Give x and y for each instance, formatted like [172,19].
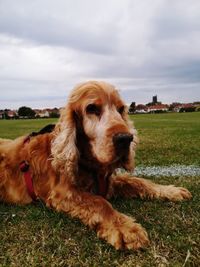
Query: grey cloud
[45,27]
[188,72]
[144,49]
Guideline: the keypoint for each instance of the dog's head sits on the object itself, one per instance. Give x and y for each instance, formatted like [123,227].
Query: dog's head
[96,114]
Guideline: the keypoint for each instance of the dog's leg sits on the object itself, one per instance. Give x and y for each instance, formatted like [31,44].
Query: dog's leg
[128,186]
[116,228]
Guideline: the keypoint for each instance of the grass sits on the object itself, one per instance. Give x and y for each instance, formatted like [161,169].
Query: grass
[13,128]
[36,236]
[167,139]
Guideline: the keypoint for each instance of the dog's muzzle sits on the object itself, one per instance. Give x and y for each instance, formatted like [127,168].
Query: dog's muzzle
[122,141]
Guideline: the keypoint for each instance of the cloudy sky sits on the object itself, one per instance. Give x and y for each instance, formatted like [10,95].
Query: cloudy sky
[144,47]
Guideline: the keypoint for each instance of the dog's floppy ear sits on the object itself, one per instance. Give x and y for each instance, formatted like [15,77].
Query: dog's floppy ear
[63,149]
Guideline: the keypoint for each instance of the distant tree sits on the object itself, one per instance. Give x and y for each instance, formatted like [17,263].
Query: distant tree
[5,114]
[153,104]
[187,109]
[132,107]
[54,115]
[26,112]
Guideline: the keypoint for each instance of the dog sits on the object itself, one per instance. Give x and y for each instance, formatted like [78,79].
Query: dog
[73,167]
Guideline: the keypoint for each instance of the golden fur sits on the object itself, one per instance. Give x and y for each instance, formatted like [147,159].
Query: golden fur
[64,162]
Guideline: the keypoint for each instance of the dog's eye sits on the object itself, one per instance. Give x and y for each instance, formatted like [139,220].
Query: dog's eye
[121,109]
[93,109]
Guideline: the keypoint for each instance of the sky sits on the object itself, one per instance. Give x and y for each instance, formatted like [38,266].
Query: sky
[143,47]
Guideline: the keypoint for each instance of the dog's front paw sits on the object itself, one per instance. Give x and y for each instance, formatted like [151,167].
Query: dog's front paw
[122,232]
[173,193]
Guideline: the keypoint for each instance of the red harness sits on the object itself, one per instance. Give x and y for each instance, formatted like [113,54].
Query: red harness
[24,167]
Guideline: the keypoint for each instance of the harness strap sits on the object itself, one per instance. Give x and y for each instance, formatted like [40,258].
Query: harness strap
[24,167]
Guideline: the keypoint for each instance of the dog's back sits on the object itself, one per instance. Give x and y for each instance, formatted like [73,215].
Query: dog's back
[4,141]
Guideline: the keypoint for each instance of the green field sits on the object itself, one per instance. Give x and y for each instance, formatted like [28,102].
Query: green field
[36,236]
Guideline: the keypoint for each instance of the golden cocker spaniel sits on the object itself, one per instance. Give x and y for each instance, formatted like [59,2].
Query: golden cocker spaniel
[72,167]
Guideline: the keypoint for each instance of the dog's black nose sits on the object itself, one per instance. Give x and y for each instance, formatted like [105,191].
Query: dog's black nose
[122,140]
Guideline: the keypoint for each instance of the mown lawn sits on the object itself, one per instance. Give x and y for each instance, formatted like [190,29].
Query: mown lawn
[36,236]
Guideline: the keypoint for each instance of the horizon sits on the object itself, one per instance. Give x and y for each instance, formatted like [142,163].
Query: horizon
[127,104]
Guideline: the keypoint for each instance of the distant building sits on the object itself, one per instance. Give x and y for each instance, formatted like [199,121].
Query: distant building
[155,99]
[8,114]
[180,107]
[140,109]
[47,113]
[158,108]
[11,114]
[41,113]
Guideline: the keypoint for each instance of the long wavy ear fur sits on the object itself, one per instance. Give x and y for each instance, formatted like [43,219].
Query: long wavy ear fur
[63,149]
